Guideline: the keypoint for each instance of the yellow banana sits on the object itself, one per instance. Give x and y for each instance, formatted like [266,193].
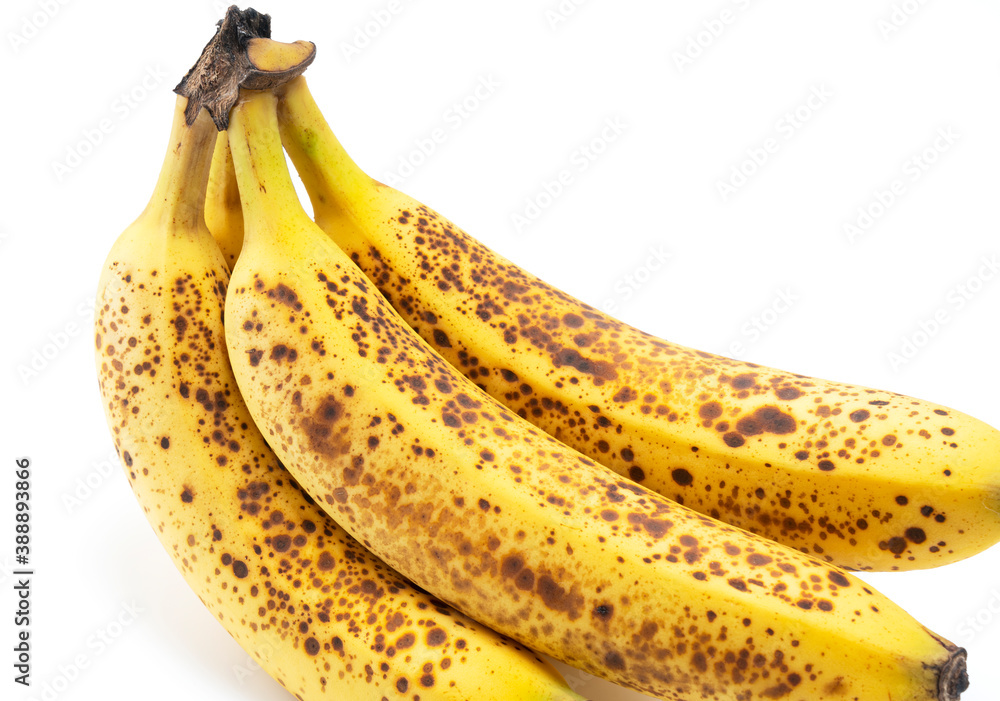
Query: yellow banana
[316,610]
[268,63]
[512,527]
[865,479]
[223,213]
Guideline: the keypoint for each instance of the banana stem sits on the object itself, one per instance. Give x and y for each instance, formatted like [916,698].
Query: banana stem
[954,677]
[178,200]
[333,180]
[223,211]
[222,180]
[266,189]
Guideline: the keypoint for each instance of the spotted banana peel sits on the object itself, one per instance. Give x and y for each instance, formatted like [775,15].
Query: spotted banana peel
[866,479]
[513,528]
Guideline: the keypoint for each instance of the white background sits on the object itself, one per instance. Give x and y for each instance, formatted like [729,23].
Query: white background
[774,253]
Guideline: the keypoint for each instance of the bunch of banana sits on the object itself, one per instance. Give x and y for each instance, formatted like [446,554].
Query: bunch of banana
[318,612]
[392,453]
[865,479]
[512,527]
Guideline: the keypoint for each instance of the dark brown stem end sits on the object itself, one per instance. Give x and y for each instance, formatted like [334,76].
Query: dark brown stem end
[224,67]
[954,678]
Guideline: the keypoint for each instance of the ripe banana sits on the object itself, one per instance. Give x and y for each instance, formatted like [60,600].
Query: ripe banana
[223,213]
[510,526]
[315,609]
[865,479]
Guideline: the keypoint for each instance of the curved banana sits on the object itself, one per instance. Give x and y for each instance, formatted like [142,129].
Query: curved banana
[321,614]
[223,213]
[865,479]
[509,525]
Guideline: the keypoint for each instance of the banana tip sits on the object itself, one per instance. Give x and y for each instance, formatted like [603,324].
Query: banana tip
[954,677]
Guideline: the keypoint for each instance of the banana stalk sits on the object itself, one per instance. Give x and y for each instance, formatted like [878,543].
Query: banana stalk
[223,213]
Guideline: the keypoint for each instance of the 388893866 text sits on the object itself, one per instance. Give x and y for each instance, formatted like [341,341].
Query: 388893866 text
[22,575]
